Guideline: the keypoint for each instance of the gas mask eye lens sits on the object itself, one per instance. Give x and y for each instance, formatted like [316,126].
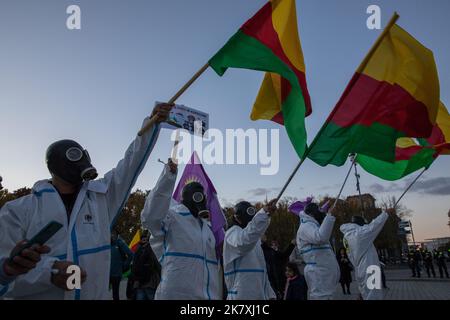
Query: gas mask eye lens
[251,211]
[74,154]
[198,197]
[88,157]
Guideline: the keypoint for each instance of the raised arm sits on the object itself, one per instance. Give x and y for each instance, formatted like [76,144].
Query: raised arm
[311,233]
[122,178]
[154,216]
[244,240]
[30,272]
[371,231]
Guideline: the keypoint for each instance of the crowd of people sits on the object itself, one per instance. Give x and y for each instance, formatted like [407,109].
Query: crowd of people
[178,255]
[423,258]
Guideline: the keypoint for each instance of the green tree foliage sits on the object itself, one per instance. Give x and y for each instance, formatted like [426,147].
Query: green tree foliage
[6,196]
[129,220]
[284,225]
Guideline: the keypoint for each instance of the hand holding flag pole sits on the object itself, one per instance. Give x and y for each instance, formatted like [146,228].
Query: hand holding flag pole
[175,98]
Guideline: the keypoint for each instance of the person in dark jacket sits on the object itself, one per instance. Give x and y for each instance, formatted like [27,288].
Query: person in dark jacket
[346,270]
[296,287]
[276,261]
[428,261]
[417,262]
[146,270]
[121,257]
[441,263]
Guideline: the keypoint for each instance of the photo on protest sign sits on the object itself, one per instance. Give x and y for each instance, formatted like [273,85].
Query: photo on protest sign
[183,117]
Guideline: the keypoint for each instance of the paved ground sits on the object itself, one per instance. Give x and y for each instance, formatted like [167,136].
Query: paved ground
[401,287]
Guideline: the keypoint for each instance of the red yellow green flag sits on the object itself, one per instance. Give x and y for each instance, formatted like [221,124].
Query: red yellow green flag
[410,155]
[394,94]
[269,42]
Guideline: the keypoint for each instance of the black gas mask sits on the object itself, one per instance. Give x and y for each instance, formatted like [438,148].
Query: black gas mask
[193,197]
[68,161]
[312,209]
[360,221]
[244,213]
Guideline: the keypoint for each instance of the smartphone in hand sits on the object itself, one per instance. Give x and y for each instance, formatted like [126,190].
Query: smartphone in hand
[40,238]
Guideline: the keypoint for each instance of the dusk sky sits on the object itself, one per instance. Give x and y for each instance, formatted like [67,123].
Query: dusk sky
[95,85]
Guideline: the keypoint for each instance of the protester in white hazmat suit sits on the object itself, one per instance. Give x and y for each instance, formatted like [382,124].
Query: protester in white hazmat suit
[313,242]
[244,264]
[359,237]
[183,241]
[85,207]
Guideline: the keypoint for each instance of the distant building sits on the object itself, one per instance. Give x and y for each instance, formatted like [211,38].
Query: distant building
[448,218]
[435,243]
[367,199]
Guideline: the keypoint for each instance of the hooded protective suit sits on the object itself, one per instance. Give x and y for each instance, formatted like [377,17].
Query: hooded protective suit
[244,264]
[84,239]
[184,245]
[362,252]
[322,270]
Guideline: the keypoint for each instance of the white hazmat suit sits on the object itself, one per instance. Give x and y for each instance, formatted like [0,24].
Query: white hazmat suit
[244,264]
[185,246]
[85,236]
[362,253]
[322,270]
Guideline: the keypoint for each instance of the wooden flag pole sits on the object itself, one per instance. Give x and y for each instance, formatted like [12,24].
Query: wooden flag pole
[325,125]
[175,97]
[377,43]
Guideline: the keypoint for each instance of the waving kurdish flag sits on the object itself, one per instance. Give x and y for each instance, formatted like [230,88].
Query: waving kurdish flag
[269,42]
[411,156]
[395,93]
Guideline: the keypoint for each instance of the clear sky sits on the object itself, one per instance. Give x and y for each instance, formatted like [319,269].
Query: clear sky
[96,84]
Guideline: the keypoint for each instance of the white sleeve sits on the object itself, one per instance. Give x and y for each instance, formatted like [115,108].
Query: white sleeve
[244,240]
[6,283]
[155,215]
[313,234]
[122,178]
[13,220]
[371,231]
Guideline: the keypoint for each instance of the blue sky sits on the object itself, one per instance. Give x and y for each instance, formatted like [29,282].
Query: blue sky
[96,84]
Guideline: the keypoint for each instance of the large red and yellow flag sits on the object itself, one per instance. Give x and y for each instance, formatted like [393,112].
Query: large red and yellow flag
[412,155]
[395,93]
[269,42]
[274,89]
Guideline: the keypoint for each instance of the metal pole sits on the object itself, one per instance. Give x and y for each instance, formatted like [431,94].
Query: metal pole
[359,188]
[409,187]
[412,234]
[343,185]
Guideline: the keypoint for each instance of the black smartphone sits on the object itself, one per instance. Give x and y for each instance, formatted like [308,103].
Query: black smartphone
[40,238]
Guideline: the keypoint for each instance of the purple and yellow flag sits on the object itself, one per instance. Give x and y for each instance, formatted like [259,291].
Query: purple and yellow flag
[194,171]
